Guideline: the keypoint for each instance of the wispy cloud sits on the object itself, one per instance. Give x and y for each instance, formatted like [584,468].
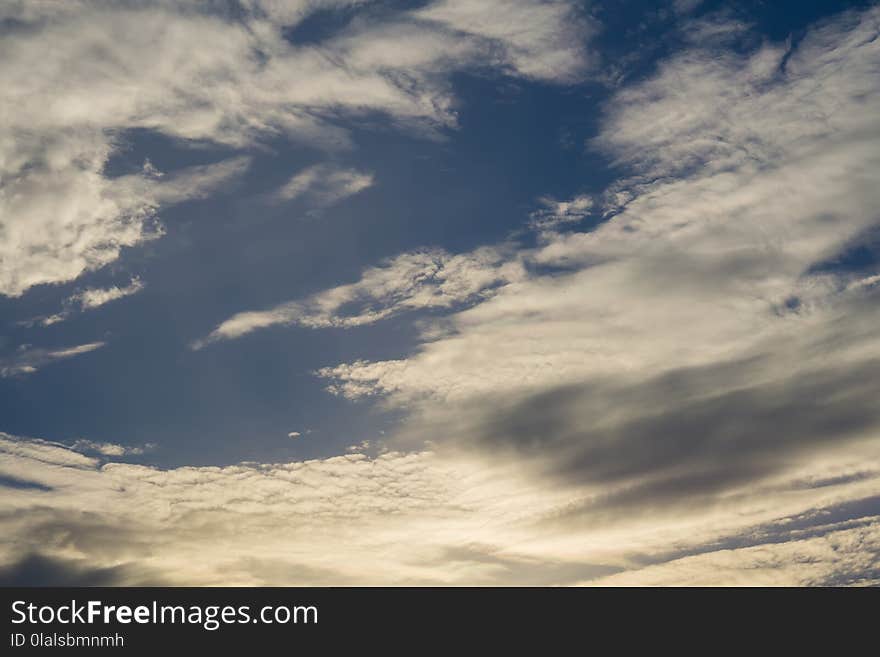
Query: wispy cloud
[422,279]
[537,40]
[62,222]
[88,299]
[554,213]
[27,359]
[95,297]
[324,185]
[110,449]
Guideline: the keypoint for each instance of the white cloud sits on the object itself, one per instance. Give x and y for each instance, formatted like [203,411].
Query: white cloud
[748,175]
[414,519]
[95,297]
[109,449]
[686,6]
[423,279]
[324,185]
[87,299]
[62,217]
[687,377]
[537,40]
[555,213]
[27,359]
[78,75]
[44,320]
[294,434]
[692,349]
[840,556]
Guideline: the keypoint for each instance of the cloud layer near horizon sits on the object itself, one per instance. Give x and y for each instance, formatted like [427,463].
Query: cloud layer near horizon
[416,518]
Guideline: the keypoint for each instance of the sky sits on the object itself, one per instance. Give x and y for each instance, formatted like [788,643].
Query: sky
[439,292]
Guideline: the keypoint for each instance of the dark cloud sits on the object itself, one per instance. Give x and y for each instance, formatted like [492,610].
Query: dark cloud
[676,438]
[37,570]
[9,481]
[86,532]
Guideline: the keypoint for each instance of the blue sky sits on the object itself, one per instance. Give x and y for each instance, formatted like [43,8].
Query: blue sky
[384,265]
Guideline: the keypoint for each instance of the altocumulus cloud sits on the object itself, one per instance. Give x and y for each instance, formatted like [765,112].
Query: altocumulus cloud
[429,278]
[419,517]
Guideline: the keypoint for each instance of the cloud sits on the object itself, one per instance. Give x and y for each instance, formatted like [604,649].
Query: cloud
[682,394]
[738,195]
[685,6]
[294,434]
[27,359]
[555,213]
[675,368]
[677,439]
[671,370]
[838,557]
[87,299]
[696,345]
[110,449]
[430,278]
[45,320]
[548,49]
[418,518]
[94,297]
[223,74]
[37,570]
[324,185]
[62,217]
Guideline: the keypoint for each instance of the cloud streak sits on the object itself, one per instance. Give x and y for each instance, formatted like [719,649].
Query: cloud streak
[27,360]
[324,185]
[96,297]
[426,279]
